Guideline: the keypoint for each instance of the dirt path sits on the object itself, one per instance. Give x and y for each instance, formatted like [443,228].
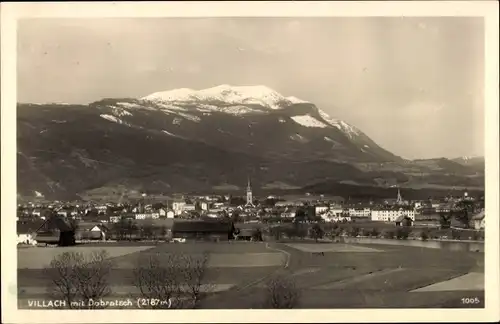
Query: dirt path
[357,279]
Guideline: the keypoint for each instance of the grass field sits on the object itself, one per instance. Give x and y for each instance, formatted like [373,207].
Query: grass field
[346,276]
[334,247]
[40,257]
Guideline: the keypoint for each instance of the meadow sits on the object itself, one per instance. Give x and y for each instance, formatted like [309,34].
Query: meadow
[345,275]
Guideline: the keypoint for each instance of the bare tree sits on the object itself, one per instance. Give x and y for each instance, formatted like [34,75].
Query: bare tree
[194,278]
[62,273]
[79,279]
[173,280]
[93,277]
[159,278]
[281,292]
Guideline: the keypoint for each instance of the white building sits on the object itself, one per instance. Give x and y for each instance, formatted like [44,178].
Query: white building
[102,208]
[114,219]
[390,215]
[335,216]
[478,221]
[360,212]
[289,213]
[147,216]
[170,214]
[25,239]
[212,214]
[336,210]
[321,209]
[189,207]
[178,207]
[63,213]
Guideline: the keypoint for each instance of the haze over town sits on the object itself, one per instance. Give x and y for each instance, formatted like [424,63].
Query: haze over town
[414,85]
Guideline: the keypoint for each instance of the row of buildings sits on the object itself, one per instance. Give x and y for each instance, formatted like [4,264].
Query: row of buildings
[327,209]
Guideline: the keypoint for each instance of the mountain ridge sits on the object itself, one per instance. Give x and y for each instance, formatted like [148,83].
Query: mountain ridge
[201,142]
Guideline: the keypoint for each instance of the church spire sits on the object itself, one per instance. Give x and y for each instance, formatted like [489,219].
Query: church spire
[400,198]
[249,194]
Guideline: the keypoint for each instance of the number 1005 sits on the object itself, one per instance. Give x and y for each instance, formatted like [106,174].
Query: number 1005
[471,300]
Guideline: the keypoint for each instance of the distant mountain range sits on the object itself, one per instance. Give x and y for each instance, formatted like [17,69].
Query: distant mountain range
[202,141]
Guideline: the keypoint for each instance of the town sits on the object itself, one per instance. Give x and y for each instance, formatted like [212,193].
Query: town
[248,218]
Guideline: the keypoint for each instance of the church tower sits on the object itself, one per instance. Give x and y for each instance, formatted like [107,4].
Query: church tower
[399,200]
[249,195]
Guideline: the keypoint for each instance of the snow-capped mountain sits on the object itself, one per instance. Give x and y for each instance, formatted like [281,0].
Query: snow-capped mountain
[237,100]
[234,95]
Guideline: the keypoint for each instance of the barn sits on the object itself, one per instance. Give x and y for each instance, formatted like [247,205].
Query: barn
[209,230]
[56,230]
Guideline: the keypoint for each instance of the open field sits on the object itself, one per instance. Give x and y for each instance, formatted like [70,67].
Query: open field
[322,299]
[40,257]
[230,264]
[345,276]
[470,281]
[331,247]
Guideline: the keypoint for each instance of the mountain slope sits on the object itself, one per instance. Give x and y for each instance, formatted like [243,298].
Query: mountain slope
[476,163]
[185,140]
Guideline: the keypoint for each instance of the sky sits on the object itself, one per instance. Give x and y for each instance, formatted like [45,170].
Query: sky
[414,85]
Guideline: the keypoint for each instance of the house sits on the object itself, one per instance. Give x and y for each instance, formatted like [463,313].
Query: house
[321,209]
[36,212]
[102,209]
[62,212]
[170,214]
[212,214]
[444,208]
[478,221]
[114,218]
[91,231]
[26,231]
[216,230]
[428,220]
[335,216]
[336,210]
[244,234]
[289,213]
[403,220]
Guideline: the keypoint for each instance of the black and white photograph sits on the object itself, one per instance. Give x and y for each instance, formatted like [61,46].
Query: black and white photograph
[324,161]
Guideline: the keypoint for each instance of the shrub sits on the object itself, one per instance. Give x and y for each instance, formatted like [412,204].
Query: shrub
[389,234]
[354,231]
[402,233]
[316,232]
[257,234]
[375,232]
[281,292]
[365,232]
[424,235]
